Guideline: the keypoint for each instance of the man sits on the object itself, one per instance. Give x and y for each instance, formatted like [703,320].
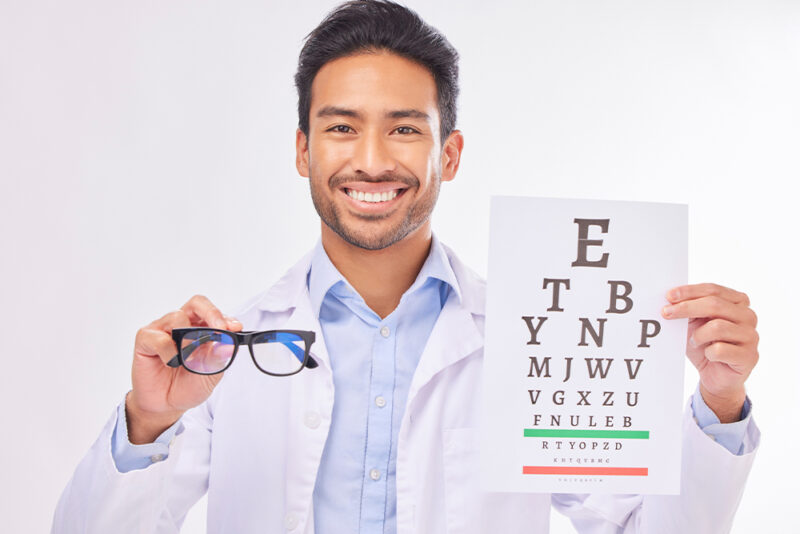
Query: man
[379,435]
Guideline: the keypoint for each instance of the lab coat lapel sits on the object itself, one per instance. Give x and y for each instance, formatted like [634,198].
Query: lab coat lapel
[310,408]
[303,318]
[454,337]
[290,293]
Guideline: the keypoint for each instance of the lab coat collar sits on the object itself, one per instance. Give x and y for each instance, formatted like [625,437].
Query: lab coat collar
[472,286]
[285,294]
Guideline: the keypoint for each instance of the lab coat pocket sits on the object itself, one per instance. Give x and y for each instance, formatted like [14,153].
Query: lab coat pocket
[469,509]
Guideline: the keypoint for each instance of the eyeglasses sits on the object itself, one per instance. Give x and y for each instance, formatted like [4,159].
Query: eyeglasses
[208,351]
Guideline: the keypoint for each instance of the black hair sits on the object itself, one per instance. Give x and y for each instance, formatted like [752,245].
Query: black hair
[375,25]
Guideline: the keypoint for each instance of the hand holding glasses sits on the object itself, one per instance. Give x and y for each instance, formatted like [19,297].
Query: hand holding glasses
[209,351]
[207,342]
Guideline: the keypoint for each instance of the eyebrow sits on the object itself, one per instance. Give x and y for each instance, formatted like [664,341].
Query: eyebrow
[408,114]
[335,111]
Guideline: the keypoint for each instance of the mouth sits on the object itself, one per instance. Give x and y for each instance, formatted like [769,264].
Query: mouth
[365,196]
[372,197]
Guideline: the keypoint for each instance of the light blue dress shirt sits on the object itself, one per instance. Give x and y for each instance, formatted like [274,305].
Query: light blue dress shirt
[373,361]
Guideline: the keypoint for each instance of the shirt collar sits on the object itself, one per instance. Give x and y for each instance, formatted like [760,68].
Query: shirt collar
[323,275]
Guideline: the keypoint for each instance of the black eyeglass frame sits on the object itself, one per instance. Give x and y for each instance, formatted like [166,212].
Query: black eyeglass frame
[243,338]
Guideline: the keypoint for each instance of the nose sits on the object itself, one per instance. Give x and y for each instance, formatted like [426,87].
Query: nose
[372,155]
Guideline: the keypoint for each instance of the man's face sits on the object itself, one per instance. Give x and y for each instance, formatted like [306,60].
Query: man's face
[373,152]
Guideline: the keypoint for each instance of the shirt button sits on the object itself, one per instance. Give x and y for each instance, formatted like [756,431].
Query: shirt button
[374,474]
[290,522]
[156,458]
[385,331]
[380,402]
[312,419]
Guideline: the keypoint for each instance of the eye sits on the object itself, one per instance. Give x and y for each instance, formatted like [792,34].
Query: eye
[405,130]
[340,128]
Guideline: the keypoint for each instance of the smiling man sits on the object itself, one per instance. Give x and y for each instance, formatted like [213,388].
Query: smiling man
[377,432]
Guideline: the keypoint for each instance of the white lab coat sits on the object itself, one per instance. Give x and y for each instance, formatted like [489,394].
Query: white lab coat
[256,444]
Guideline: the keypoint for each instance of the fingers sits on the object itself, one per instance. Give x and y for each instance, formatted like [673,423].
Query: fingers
[173,319]
[233,323]
[713,307]
[738,358]
[723,343]
[202,312]
[155,339]
[153,342]
[695,291]
[725,331]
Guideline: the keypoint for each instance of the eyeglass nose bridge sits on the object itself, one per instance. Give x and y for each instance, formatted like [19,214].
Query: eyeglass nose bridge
[246,338]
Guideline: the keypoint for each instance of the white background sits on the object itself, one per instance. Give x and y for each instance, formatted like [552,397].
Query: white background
[146,154]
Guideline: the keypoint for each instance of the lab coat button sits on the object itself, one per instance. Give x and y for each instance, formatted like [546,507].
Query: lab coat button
[385,331]
[312,419]
[290,522]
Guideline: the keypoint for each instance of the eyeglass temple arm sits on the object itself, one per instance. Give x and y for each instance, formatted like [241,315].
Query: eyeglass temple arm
[299,353]
[288,341]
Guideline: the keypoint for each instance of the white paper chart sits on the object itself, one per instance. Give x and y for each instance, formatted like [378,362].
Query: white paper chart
[583,377]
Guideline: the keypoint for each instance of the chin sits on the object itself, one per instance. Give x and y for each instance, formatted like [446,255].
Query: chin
[371,240]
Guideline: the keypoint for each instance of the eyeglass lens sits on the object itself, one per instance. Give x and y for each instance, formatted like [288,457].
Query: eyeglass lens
[207,351]
[279,353]
[210,351]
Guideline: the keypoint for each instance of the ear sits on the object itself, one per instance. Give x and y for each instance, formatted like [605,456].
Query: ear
[301,150]
[451,155]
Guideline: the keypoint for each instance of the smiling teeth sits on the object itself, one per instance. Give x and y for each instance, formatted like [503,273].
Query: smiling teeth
[372,197]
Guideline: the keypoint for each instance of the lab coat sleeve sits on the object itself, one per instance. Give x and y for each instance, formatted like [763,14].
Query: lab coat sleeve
[101,499]
[712,482]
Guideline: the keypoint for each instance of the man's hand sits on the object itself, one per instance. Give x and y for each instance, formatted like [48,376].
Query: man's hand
[161,394]
[722,342]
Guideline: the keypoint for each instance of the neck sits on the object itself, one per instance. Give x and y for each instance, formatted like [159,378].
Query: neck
[380,276]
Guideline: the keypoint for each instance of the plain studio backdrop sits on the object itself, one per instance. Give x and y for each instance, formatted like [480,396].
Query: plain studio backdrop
[147,154]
